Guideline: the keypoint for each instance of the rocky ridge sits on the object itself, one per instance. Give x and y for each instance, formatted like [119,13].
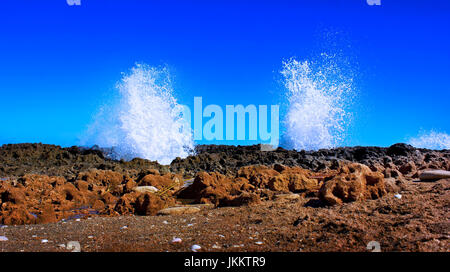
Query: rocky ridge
[44,183]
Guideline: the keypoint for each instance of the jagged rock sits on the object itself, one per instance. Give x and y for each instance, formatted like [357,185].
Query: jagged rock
[210,188]
[408,168]
[106,178]
[150,204]
[353,182]
[249,185]
[295,180]
[125,204]
[129,186]
[52,160]
[393,185]
[258,175]
[400,150]
[87,181]
[42,199]
[172,181]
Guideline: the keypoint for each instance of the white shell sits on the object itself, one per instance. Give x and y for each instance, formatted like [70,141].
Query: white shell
[195,248]
[176,240]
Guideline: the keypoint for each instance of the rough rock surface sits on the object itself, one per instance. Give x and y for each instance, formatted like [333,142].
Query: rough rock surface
[19,159]
[250,185]
[434,175]
[416,222]
[353,182]
[340,197]
[228,159]
[34,199]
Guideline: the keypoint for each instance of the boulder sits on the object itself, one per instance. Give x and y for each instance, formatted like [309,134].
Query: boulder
[210,188]
[125,204]
[150,204]
[102,178]
[178,210]
[293,182]
[432,175]
[393,185]
[169,181]
[145,189]
[408,168]
[353,182]
[12,214]
[400,150]
[258,175]
[129,186]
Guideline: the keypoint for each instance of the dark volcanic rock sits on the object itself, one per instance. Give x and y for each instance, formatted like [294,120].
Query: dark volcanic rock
[52,160]
[19,159]
[228,159]
[400,150]
[45,183]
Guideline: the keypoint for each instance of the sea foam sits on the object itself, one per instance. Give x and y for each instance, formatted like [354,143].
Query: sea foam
[431,140]
[144,121]
[319,95]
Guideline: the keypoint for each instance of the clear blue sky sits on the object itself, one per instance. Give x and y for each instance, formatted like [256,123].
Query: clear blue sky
[58,63]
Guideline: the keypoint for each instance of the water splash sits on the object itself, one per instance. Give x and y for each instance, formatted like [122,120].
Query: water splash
[431,140]
[318,94]
[145,120]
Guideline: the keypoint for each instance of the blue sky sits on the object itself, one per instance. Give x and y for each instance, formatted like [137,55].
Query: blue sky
[58,63]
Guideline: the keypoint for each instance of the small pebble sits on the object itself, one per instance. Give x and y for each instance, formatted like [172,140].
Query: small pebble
[124,227]
[3,238]
[195,248]
[176,240]
[259,243]
[190,225]
[91,237]
[165,222]
[399,196]
[44,241]
[78,219]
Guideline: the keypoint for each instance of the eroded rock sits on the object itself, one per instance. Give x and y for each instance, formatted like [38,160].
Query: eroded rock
[353,182]
[432,175]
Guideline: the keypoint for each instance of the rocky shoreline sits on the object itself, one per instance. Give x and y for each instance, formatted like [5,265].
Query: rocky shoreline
[19,159]
[46,184]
